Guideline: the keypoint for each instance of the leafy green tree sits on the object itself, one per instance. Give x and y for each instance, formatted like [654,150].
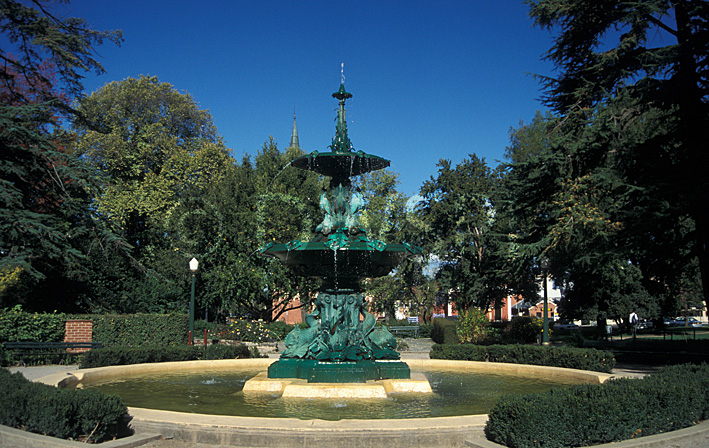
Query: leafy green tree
[253,202]
[530,140]
[385,216]
[152,144]
[466,233]
[634,115]
[45,191]
[578,222]
[157,154]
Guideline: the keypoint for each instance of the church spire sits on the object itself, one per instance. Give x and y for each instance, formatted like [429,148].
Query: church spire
[294,135]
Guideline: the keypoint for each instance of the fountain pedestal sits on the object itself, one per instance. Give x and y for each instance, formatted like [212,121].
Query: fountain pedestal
[299,388]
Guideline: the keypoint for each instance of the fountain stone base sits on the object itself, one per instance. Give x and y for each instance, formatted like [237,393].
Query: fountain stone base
[315,371]
[300,388]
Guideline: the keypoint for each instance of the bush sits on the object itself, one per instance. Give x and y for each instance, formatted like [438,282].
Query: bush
[444,331]
[525,330]
[473,326]
[248,331]
[279,329]
[586,415]
[425,330]
[139,329]
[568,357]
[68,414]
[116,356]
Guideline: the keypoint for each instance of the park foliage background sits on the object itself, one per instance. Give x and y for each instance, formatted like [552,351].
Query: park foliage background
[105,197]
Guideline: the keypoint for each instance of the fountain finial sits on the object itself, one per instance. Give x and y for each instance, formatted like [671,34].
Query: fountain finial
[341,143]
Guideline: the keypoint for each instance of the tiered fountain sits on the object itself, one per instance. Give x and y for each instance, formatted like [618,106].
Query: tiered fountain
[342,343]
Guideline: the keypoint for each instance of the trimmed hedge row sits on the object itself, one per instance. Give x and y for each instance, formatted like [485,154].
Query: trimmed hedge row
[85,415]
[109,329]
[568,357]
[117,356]
[20,326]
[139,329]
[622,409]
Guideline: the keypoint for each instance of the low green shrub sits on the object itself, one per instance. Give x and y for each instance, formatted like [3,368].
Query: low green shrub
[425,330]
[444,331]
[473,326]
[617,410]
[524,330]
[279,329]
[568,357]
[116,356]
[68,414]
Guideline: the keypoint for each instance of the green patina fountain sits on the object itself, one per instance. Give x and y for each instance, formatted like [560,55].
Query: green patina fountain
[342,344]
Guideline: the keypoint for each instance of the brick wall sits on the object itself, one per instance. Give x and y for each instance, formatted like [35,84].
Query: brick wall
[78,331]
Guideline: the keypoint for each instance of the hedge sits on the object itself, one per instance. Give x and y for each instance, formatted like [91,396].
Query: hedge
[139,329]
[444,331]
[20,326]
[568,357]
[622,409]
[116,356]
[68,414]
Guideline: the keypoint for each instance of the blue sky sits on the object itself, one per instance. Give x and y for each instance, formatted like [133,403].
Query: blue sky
[430,80]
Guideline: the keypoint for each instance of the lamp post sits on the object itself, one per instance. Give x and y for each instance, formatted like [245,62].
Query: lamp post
[544,263]
[194,264]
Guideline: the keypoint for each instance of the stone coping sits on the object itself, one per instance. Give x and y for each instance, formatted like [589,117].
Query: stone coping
[18,438]
[71,379]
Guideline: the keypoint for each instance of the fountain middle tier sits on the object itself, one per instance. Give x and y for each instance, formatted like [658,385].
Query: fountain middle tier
[340,259]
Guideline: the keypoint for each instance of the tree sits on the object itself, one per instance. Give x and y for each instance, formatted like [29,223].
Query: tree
[40,37]
[579,223]
[157,154]
[152,144]
[385,216]
[44,189]
[464,230]
[254,202]
[639,113]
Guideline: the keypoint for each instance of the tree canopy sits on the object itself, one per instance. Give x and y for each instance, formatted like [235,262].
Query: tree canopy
[44,188]
[466,229]
[645,103]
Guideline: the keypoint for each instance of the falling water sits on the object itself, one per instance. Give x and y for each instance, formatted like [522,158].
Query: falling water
[277,174]
[337,286]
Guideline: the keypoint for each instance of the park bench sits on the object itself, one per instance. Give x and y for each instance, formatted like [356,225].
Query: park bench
[21,350]
[406,330]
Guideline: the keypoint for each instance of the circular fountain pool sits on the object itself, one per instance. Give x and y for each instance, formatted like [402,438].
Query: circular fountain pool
[304,429]
[459,388]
